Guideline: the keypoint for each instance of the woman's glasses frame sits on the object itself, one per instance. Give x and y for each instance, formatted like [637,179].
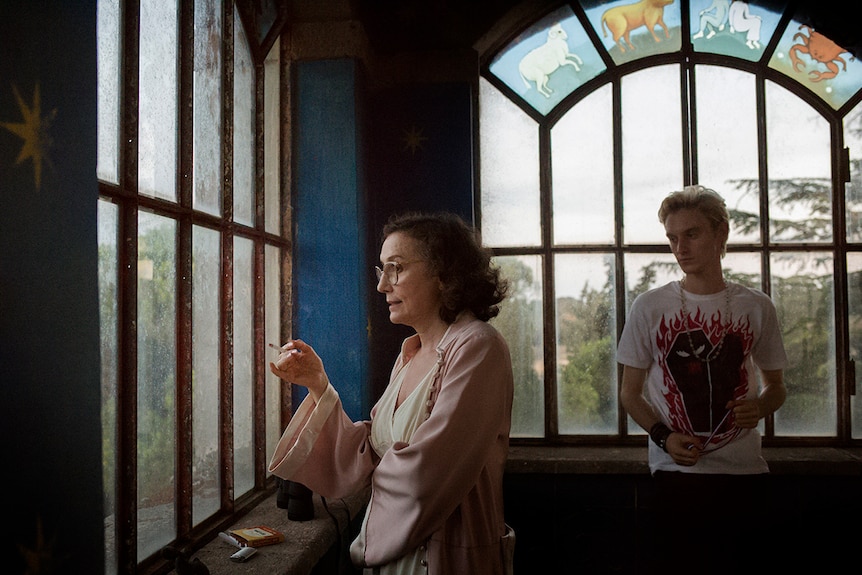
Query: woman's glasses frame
[391,271]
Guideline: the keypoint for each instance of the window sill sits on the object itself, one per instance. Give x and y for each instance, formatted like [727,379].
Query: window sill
[633,460]
[305,542]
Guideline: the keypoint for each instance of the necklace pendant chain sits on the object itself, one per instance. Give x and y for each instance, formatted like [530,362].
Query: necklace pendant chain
[714,353]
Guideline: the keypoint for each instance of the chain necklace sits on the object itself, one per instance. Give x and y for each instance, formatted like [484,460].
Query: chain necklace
[712,355]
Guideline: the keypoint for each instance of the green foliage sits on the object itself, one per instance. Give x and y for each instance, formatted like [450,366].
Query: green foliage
[156,356]
[520,322]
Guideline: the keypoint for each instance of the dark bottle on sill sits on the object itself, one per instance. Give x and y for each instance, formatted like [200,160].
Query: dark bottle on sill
[296,498]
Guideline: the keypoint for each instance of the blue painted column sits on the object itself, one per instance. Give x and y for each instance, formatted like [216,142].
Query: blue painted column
[331,286]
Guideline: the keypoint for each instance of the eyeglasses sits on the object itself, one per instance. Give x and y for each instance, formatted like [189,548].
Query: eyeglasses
[391,271]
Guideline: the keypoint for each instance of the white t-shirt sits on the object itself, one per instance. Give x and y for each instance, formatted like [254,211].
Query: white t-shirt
[690,394]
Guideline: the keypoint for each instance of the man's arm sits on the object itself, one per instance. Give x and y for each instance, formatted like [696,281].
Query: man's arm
[633,400]
[680,447]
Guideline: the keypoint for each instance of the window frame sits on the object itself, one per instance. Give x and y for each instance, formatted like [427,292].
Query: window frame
[129,203]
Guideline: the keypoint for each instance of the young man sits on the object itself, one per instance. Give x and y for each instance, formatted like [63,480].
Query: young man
[694,344]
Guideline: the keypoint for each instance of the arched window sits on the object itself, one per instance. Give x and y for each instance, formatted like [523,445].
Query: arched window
[585,125]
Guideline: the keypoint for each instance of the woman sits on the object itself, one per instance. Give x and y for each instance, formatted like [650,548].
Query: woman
[436,445]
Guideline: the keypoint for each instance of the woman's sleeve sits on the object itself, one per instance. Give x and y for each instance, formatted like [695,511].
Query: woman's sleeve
[324,450]
[418,486]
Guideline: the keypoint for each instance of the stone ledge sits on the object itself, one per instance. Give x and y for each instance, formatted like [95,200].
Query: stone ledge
[633,460]
[305,542]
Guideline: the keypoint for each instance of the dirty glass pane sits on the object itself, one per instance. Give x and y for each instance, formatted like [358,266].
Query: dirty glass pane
[243,128]
[273,330]
[586,343]
[272,139]
[156,382]
[108,323]
[802,289]
[743,268]
[854,305]
[549,60]
[633,30]
[206,372]
[652,149]
[727,158]
[207,107]
[510,172]
[800,171]
[582,149]
[109,38]
[817,63]
[157,109]
[521,323]
[647,271]
[853,188]
[243,368]
[735,28]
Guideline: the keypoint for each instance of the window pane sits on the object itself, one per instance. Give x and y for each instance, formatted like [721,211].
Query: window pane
[108,24]
[803,294]
[108,301]
[626,34]
[733,28]
[854,303]
[831,72]
[549,61]
[743,268]
[586,338]
[206,371]
[156,382]
[800,184]
[243,128]
[157,138]
[243,370]
[520,322]
[647,271]
[727,144]
[583,169]
[853,188]
[272,137]
[207,107]
[652,149]
[273,331]
[510,172]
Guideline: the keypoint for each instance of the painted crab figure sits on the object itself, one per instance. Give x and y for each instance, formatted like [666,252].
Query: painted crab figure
[821,49]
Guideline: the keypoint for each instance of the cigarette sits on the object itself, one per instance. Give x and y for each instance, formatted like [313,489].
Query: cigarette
[280,350]
[225,537]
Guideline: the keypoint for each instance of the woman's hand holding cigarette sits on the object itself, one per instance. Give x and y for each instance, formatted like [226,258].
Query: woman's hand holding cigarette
[298,363]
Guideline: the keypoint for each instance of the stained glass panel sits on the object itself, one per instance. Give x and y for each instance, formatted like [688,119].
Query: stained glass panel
[817,63]
[632,30]
[549,60]
[732,27]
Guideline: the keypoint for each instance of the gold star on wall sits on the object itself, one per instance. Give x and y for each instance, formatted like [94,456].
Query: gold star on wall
[34,131]
[413,139]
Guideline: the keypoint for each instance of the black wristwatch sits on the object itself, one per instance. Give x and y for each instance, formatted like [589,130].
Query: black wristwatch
[659,433]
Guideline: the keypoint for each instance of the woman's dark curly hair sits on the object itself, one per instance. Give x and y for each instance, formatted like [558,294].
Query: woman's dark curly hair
[455,253]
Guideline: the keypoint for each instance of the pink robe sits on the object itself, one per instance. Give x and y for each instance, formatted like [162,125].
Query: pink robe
[445,489]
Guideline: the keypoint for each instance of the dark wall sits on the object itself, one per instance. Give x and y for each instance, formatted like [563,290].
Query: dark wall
[419,158]
[604,524]
[49,317]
